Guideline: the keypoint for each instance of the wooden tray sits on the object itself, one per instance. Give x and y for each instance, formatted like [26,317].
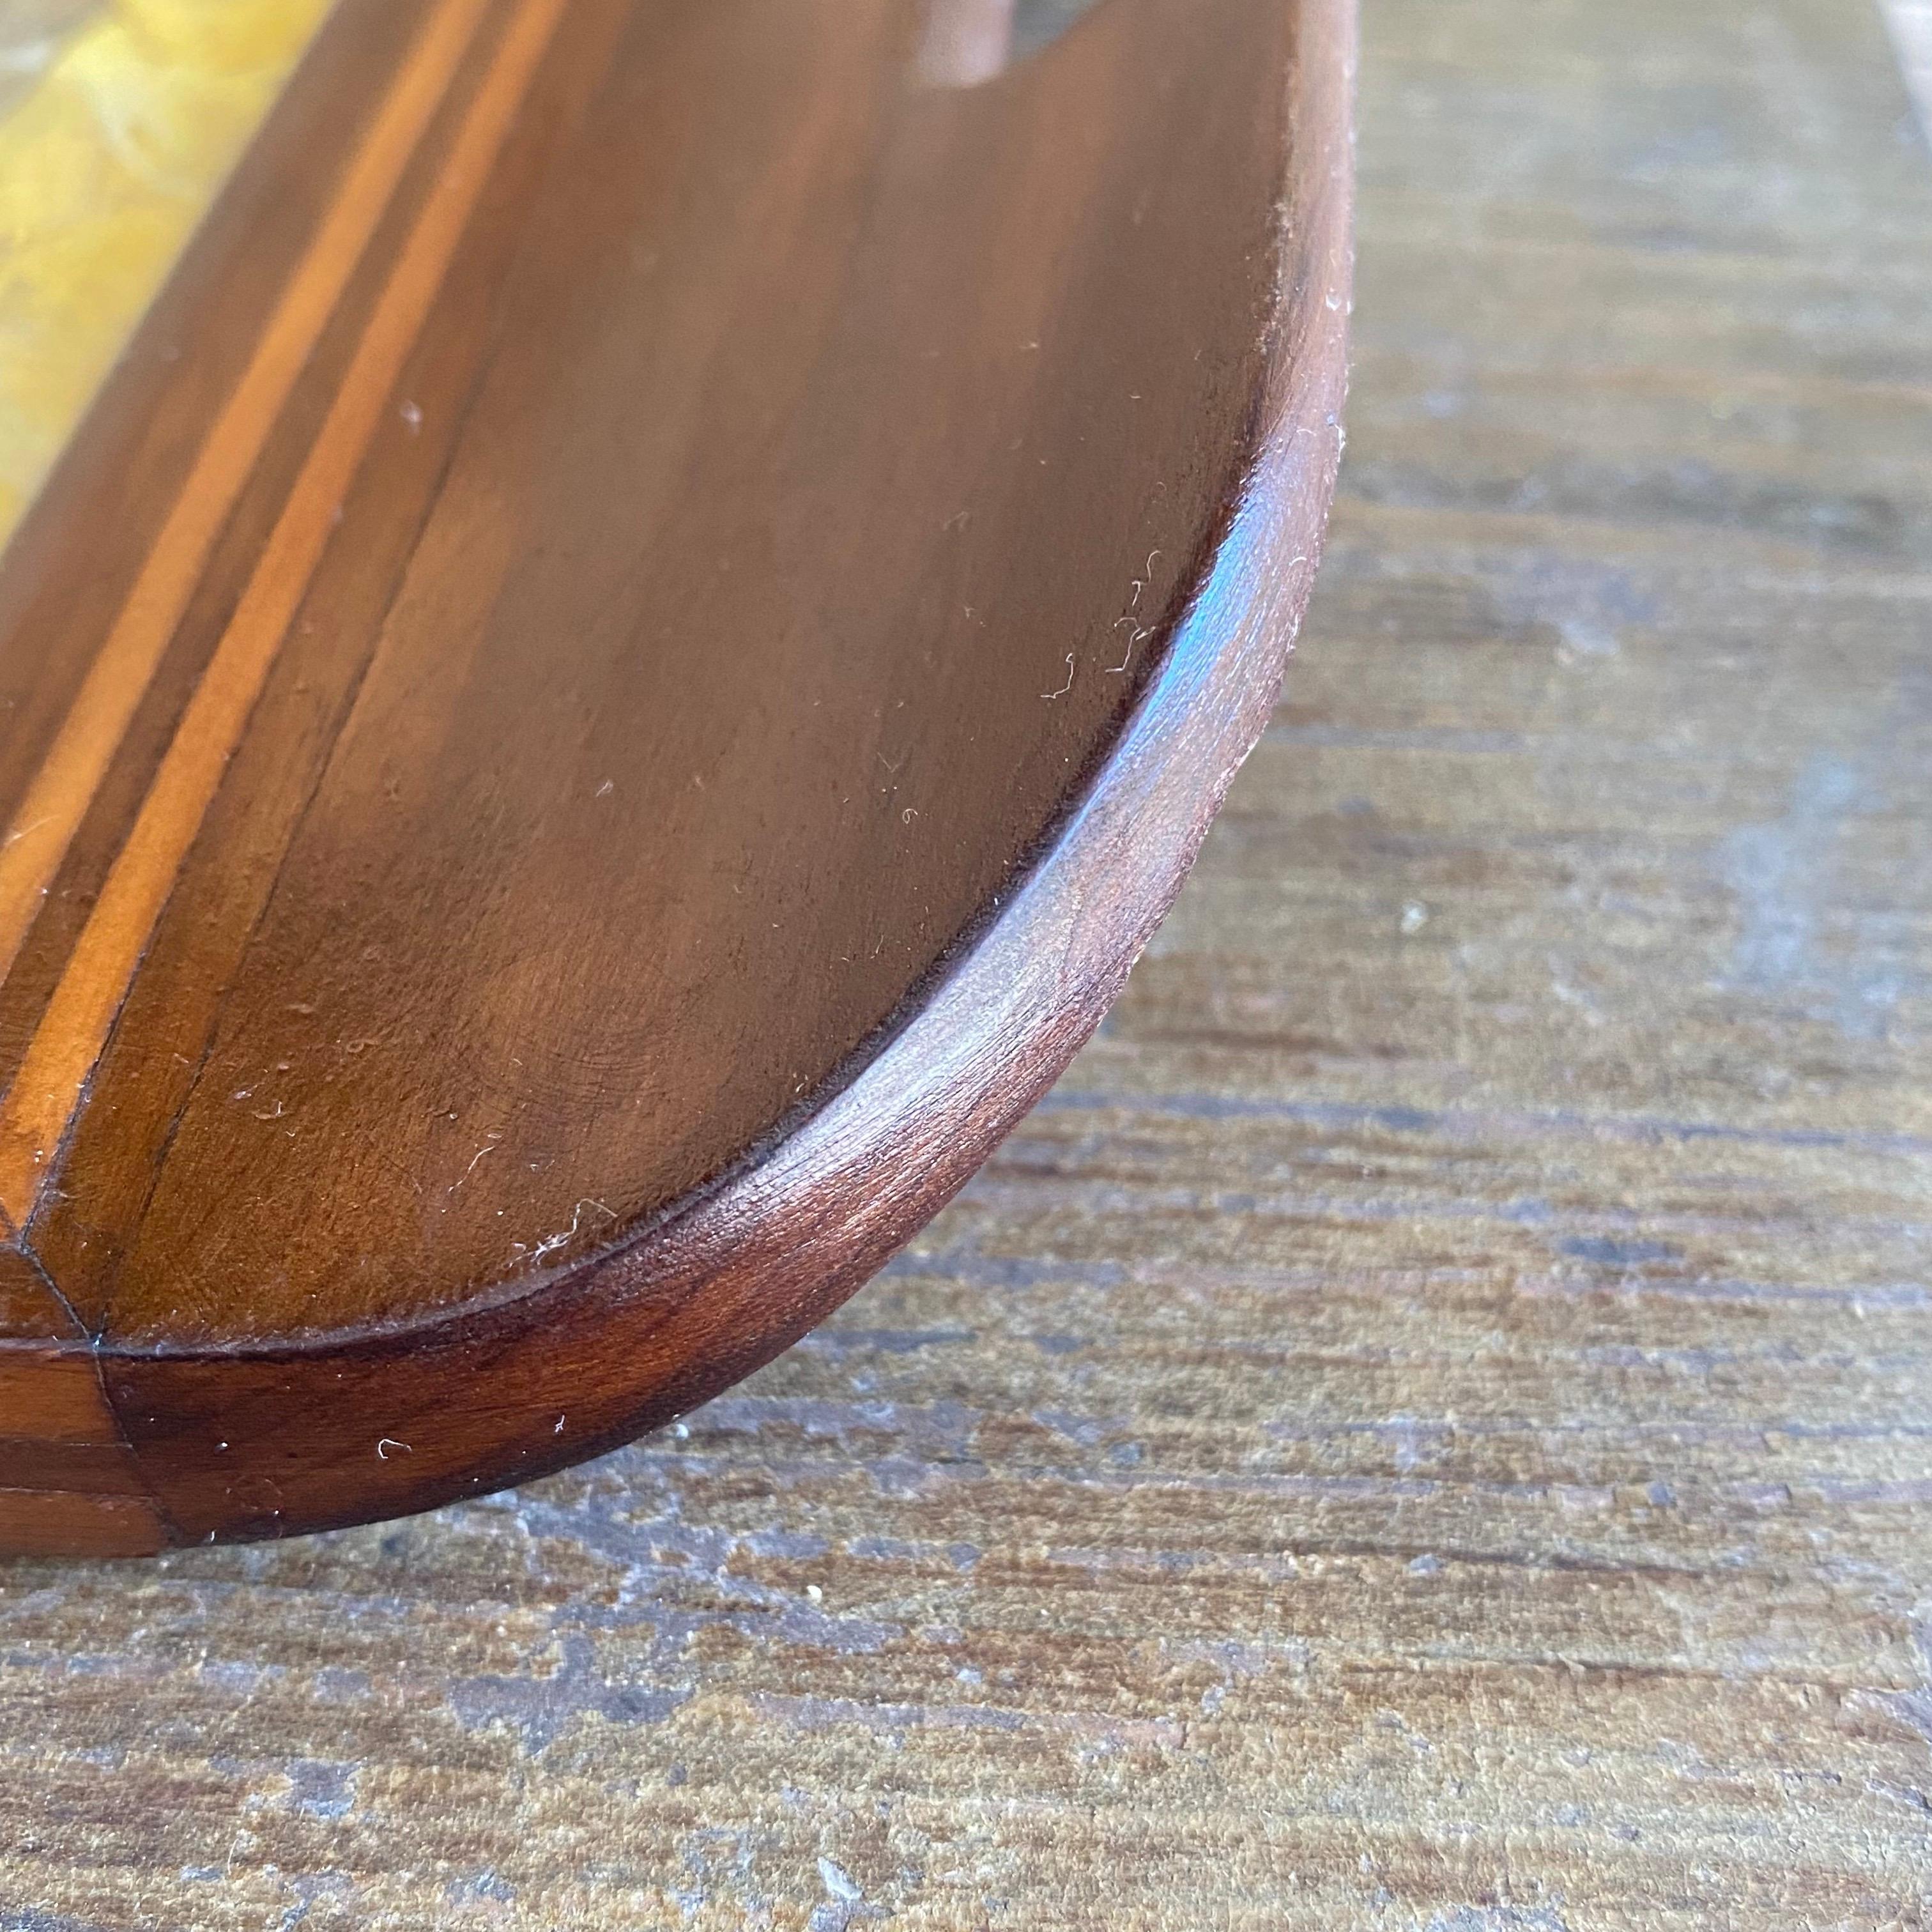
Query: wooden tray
[608,692]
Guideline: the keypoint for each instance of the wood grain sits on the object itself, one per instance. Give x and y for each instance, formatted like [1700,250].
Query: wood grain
[1425,1429]
[67,1043]
[751,618]
[73,766]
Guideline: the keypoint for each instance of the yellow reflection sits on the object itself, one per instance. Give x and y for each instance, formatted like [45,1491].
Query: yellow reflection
[108,158]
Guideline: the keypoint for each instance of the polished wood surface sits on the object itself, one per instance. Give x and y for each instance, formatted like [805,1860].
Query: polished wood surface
[1425,1429]
[679,594]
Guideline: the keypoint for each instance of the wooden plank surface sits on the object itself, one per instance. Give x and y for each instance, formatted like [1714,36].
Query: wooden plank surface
[1428,1426]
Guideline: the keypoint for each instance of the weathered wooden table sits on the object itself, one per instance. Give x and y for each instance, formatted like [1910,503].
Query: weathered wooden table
[1431,1426]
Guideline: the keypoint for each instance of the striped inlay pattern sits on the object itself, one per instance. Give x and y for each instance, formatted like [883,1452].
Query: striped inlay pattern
[72,1029]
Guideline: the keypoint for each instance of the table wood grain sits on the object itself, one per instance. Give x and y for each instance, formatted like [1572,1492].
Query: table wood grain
[1427,1427]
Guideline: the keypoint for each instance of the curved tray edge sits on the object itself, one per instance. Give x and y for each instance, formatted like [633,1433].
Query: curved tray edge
[231,1444]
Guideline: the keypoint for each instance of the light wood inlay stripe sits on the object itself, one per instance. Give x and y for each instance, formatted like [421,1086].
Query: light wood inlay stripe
[58,798]
[74,1027]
